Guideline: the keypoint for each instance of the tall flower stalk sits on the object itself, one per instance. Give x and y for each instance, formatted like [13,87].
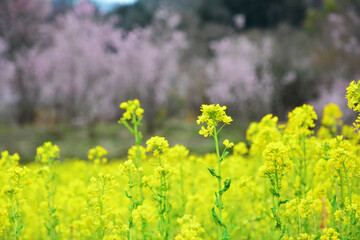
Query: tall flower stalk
[213,116]
[158,183]
[277,165]
[131,119]
[47,155]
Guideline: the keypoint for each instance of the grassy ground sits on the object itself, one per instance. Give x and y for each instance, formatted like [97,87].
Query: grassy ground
[76,141]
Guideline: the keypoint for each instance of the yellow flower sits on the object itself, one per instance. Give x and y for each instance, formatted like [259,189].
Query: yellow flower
[240,149]
[47,152]
[305,236]
[157,145]
[135,150]
[8,160]
[353,97]
[127,168]
[190,228]
[177,153]
[212,115]
[329,234]
[331,115]
[301,119]
[228,144]
[97,155]
[277,160]
[132,108]
[309,206]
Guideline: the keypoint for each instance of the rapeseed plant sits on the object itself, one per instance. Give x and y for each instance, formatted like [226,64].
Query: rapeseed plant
[212,116]
[287,182]
[158,183]
[276,167]
[13,195]
[48,154]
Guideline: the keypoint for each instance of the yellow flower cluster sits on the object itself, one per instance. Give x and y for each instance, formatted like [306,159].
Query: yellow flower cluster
[98,155]
[132,108]
[129,168]
[16,173]
[353,97]
[47,152]
[212,115]
[342,158]
[154,180]
[144,211]
[277,161]
[137,150]
[262,133]
[8,160]
[177,153]
[309,206]
[240,149]
[305,236]
[330,121]
[304,208]
[301,119]
[190,228]
[329,234]
[157,145]
[349,215]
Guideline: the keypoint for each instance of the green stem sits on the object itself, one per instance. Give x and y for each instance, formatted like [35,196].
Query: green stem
[305,165]
[101,231]
[51,192]
[164,232]
[131,206]
[219,182]
[342,204]
[347,183]
[182,186]
[14,216]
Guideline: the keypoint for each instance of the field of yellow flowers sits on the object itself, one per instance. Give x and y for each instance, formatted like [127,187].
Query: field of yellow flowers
[285,182]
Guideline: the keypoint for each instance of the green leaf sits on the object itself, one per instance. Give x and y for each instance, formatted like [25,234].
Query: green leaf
[274,192]
[334,203]
[155,198]
[284,201]
[273,211]
[226,186]
[162,196]
[140,138]
[169,207]
[213,172]
[127,195]
[52,211]
[217,202]
[19,228]
[226,235]
[216,218]
[224,156]
[47,228]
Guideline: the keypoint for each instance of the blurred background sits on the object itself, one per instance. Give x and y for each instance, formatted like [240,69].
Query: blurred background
[66,65]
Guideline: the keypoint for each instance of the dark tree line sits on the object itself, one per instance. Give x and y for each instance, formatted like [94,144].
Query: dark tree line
[259,13]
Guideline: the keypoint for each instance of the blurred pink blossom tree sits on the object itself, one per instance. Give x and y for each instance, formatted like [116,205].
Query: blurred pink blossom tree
[74,66]
[86,67]
[6,72]
[149,60]
[20,25]
[239,75]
